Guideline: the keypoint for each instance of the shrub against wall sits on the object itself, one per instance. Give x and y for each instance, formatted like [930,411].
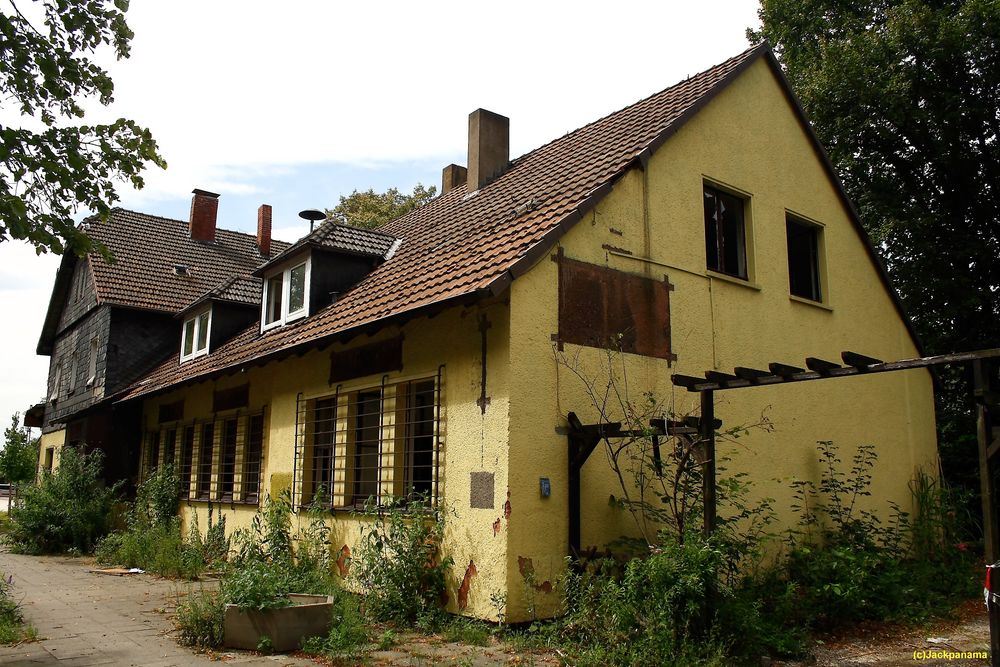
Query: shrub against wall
[68,511]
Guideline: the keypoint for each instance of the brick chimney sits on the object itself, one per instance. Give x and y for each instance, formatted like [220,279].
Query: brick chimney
[489,147]
[452,176]
[204,208]
[264,229]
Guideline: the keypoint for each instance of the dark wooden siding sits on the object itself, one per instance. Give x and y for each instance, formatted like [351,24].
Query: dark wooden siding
[228,319]
[334,273]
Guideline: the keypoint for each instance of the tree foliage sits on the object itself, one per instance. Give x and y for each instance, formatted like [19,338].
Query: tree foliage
[19,455]
[905,96]
[370,209]
[51,166]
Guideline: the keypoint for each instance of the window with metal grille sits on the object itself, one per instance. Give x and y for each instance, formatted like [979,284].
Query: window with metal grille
[224,464]
[725,232]
[252,458]
[187,456]
[371,445]
[169,446]
[206,447]
[227,470]
[153,457]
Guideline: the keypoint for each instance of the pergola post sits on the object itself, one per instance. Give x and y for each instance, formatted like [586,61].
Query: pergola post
[983,382]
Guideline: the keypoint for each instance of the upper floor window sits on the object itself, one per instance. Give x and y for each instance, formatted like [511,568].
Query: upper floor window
[92,368]
[286,296]
[56,378]
[194,336]
[803,259]
[725,232]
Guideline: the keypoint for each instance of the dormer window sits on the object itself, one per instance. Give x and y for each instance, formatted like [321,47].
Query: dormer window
[286,296]
[194,335]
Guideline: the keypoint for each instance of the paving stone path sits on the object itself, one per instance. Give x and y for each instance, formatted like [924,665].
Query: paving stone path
[93,619]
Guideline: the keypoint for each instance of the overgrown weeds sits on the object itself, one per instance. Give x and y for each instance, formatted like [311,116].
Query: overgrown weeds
[153,540]
[399,565]
[67,511]
[199,619]
[12,626]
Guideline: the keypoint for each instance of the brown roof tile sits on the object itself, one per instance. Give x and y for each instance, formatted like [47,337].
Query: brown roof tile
[463,243]
[147,248]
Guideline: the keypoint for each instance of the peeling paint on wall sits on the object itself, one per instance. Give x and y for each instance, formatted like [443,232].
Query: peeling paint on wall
[506,507]
[463,590]
[527,570]
[344,560]
[496,527]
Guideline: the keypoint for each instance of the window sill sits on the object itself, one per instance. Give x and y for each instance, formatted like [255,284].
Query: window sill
[810,302]
[732,279]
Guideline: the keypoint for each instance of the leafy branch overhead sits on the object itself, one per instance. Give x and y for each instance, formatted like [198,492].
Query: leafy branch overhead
[51,167]
[370,209]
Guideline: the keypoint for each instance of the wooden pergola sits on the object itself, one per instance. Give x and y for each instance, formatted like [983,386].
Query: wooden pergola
[986,390]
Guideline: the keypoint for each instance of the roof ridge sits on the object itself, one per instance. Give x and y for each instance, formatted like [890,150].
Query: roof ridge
[122,209]
[742,55]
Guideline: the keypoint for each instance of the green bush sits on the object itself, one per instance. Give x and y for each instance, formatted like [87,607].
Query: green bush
[199,619]
[399,565]
[152,538]
[349,635]
[69,510]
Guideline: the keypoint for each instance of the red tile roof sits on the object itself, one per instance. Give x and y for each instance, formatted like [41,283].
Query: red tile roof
[339,238]
[467,243]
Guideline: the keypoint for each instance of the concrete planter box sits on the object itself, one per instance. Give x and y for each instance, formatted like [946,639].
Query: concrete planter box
[308,616]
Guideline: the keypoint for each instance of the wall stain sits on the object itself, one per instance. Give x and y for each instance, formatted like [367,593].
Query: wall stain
[344,560]
[527,570]
[496,527]
[463,590]
[506,507]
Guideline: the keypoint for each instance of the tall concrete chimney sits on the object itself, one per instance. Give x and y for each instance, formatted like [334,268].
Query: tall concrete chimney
[264,229]
[489,147]
[204,209]
[452,176]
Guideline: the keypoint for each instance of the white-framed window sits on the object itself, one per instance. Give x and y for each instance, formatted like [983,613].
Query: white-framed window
[286,295]
[92,368]
[194,335]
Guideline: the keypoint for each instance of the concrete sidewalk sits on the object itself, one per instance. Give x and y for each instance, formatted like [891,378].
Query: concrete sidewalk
[91,619]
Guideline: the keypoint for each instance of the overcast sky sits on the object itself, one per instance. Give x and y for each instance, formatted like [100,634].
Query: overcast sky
[296,103]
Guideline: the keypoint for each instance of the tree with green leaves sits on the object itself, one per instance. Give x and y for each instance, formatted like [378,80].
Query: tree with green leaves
[905,96]
[370,209]
[19,456]
[50,165]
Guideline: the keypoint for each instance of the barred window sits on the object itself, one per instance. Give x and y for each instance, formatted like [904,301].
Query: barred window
[153,459]
[217,460]
[205,461]
[169,447]
[374,444]
[187,457]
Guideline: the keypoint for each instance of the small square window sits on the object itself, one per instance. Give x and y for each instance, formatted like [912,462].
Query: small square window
[803,259]
[725,232]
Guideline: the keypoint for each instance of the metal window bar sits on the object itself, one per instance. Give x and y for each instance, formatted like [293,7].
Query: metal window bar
[153,458]
[170,448]
[186,460]
[206,450]
[227,457]
[373,444]
[253,458]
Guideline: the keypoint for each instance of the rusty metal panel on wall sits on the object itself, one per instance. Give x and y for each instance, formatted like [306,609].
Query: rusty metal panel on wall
[602,307]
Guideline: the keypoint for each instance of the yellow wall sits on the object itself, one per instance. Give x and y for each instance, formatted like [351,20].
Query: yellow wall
[54,441]
[747,140]
[471,441]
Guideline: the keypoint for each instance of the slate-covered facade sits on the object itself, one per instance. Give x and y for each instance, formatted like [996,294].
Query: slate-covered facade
[110,321]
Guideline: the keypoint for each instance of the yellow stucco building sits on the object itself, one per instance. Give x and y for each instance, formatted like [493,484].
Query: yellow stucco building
[701,228]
